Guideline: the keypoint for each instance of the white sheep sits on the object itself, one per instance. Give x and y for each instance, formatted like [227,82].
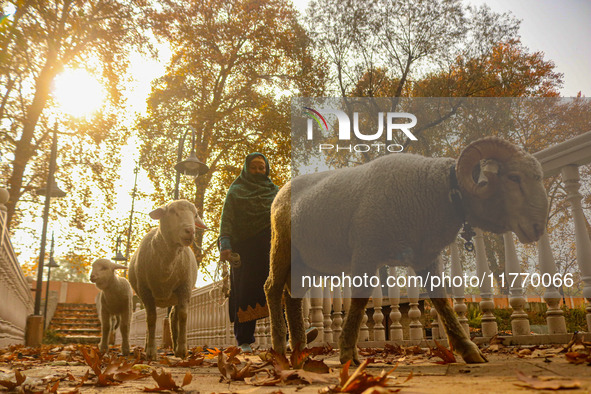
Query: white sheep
[396,210]
[163,271]
[113,302]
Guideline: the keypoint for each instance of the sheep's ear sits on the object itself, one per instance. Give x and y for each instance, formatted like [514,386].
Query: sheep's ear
[199,223]
[118,266]
[157,213]
[489,170]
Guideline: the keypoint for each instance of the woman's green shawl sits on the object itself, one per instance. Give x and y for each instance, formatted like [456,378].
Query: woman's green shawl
[247,209]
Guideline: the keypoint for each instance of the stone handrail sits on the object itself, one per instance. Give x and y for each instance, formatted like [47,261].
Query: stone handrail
[15,293]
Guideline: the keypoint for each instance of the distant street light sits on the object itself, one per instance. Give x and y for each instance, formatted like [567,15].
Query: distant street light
[118,256]
[50,265]
[136,170]
[54,191]
[192,166]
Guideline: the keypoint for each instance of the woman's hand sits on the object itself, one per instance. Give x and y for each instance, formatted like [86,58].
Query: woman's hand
[225,254]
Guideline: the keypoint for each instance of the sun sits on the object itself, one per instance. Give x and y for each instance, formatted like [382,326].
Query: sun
[78,93]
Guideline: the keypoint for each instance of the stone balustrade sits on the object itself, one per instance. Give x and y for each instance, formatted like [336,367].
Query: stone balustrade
[15,293]
[398,316]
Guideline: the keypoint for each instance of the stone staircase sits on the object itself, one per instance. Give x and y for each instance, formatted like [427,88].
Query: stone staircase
[76,323]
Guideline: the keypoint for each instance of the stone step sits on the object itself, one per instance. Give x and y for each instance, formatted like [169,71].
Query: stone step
[58,327]
[75,311]
[75,320]
[79,331]
[76,306]
[76,323]
[85,339]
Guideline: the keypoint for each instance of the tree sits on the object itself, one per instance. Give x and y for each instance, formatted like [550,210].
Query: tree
[234,65]
[40,40]
[410,38]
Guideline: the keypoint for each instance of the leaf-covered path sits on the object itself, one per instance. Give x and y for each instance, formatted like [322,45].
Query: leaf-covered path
[81,369]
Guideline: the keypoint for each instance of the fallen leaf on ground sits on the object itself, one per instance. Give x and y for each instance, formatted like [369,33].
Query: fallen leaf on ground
[361,381]
[443,353]
[10,385]
[578,358]
[229,366]
[544,384]
[117,370]
[166,382]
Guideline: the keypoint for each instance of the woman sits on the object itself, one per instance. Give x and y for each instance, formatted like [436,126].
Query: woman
[245,228]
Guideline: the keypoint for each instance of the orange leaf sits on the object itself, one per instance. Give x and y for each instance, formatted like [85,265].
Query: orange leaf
[539,384]
[187,379]
[444,353]
[164,381]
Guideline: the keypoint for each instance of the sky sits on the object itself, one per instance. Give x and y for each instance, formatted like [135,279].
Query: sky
[559,28]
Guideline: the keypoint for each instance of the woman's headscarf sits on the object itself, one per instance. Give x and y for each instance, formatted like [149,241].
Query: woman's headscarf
[247,209]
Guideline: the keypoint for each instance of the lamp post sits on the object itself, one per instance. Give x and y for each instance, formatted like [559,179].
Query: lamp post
[34,333]
[133,193]
[118,256]
[191,166]
[50,265]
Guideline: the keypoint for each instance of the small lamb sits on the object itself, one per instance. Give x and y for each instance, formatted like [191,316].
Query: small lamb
[113,301]
[163,271]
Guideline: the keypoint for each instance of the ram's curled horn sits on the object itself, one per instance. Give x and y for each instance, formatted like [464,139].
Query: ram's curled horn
[485,148]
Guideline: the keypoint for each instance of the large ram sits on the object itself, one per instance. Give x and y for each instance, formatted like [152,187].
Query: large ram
[397,210]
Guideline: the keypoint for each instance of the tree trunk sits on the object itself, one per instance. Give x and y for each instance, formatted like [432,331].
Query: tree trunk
[24,150]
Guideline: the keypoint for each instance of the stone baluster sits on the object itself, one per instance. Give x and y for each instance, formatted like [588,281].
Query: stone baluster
[210,330]
[437,327]
[258,332]
[379,333]
[202,315]
[192,322]
[267,333]
[435,333]
[519,320]
[396,333]
[570,176]
[198,319]
[487,304]
[414,313]
[326,310]
[554,315]
[346,300]
[316,311]
[364,329]
[263,333]
[306,309]
[216,318]
[337,316]
[203,302]
[458,291]
[4,197]
[222,317]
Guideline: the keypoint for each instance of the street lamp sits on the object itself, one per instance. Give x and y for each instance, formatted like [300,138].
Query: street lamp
[35,324]
[192,166]
[118,256]
[54,191]
[133,193]
[50,265]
